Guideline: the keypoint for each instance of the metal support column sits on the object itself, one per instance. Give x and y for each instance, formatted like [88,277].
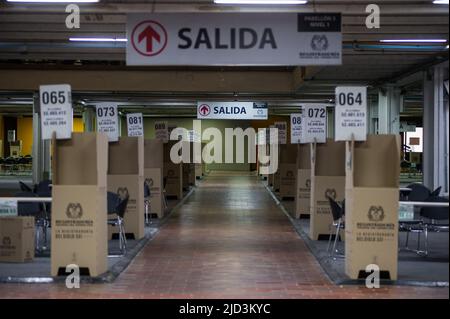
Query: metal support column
[435,128]
[88,119]
[37,142]
[389,110]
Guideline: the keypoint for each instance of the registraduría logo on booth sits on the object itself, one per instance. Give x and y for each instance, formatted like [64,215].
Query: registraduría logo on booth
[375,213]
[74,211]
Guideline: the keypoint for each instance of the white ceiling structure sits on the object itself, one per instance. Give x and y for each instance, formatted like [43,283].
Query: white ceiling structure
[35,34]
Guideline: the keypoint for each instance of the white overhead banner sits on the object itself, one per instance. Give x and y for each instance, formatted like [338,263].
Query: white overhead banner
[282,132]
[108,120]
[296,128]
[56,111]
[135,124]
[232,110]
[351,113]
[234,39]
[314,124]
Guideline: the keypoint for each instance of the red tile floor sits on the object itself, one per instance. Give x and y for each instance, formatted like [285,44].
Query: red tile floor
[229,240]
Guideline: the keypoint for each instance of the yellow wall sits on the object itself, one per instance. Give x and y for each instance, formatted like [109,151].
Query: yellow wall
[78,125]
[25,134]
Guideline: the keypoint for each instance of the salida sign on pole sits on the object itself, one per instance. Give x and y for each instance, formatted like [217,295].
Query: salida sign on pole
[234,39]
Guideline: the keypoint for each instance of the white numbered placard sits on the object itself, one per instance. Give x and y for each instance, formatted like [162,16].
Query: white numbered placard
[56,111]
[162,131]
[296,128]
[108,120]
[351,113]
[314,124]
[282,132]
[135,124]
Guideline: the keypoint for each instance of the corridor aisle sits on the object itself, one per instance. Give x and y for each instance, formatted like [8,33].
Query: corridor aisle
[229,240]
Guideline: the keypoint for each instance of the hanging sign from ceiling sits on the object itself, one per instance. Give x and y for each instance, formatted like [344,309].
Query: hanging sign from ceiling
[234,39]
[232,110]
[351,113]
[56,111]
[314,124]
[135,124]
[296,128]
[108,120]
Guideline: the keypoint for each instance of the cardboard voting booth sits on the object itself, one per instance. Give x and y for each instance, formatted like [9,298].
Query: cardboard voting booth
[303,183]
[371,205]
[327,179]
[153,174]
[173,173]
[17,239]
[288,170]
[126,177]
[79,208]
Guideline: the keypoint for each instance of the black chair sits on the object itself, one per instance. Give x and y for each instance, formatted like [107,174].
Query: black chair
[418,193]
[24,187]
[337,213]
[43,189]
[118,207]
[436,192]
[432,216]
[147,195]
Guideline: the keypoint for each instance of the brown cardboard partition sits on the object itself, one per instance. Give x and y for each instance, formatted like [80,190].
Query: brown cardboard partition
[371,206]
[79,208]
[303,183]
[81,160]
[126,177]
[288,170]
[173,173]
[153,174]
[153,153]
[327,179]
[17,239]
[79,229]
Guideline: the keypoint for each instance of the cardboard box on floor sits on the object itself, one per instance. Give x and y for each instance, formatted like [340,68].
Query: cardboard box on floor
[288,170]
[126,177]
[303,183]
[79,209]
[173,173]
[153,174]
[17,239]
[371,205]
[327,179]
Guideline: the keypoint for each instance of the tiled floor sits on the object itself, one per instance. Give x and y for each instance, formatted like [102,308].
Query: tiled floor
[229,240]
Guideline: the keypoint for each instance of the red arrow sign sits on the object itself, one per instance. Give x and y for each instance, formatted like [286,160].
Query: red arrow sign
[149,34]
[204,110]
[149,38]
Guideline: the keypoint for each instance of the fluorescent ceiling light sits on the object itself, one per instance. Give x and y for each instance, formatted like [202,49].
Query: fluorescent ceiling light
[98,39]
[260,1]
[440,1]
[55,1]
[414,41]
